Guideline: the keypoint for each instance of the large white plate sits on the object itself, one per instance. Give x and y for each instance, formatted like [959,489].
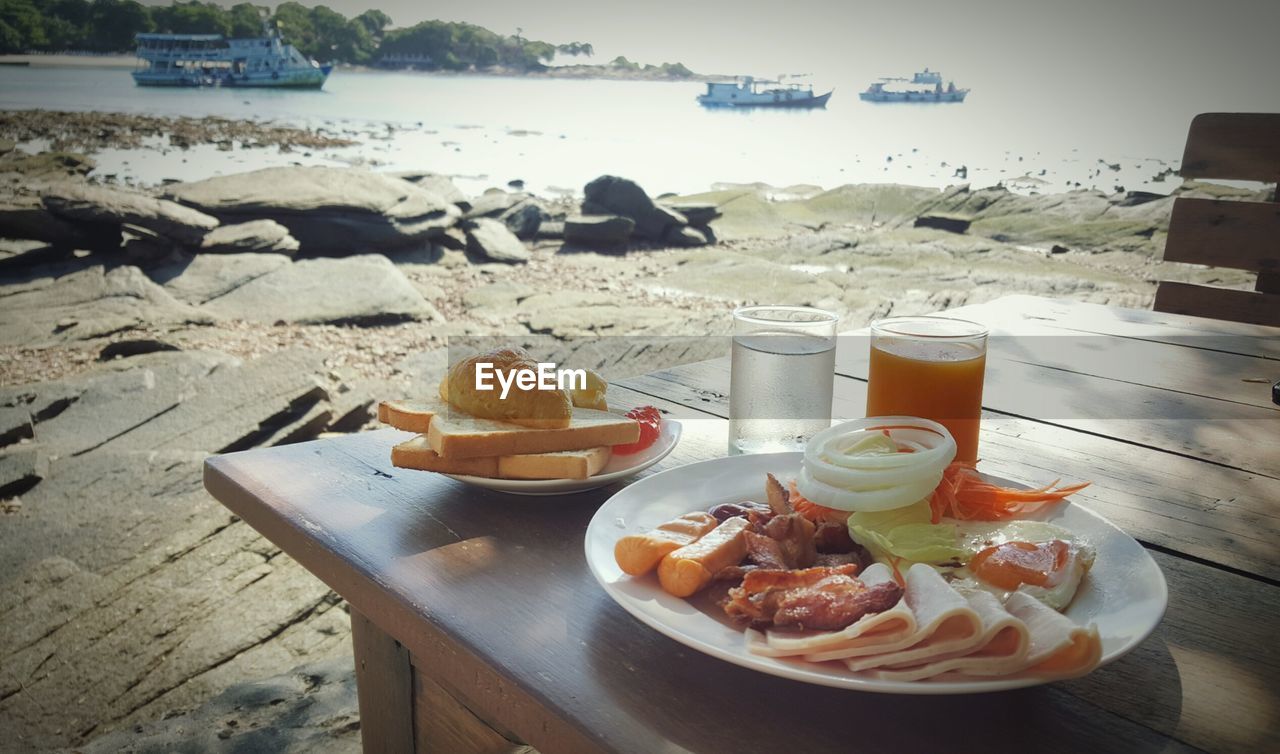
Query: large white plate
[618,467]
[1124,594]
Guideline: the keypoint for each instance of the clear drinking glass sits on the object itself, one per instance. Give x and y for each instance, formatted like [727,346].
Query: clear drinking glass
[931,367]
[783,370]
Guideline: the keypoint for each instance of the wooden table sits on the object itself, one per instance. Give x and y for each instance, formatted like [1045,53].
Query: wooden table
[470,606]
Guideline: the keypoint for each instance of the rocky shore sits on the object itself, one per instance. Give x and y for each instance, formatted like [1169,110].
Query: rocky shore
[141,330]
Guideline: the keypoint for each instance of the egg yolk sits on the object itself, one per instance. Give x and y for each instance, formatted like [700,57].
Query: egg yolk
[1012,564]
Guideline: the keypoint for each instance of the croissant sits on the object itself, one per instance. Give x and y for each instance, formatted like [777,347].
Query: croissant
[539,409]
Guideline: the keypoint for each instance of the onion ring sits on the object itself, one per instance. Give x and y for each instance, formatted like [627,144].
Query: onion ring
[875,482]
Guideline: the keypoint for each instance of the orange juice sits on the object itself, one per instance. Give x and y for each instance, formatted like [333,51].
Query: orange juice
[939,380]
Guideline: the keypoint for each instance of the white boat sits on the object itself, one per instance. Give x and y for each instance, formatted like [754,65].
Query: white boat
[747,92]
[924,86]
[215,60]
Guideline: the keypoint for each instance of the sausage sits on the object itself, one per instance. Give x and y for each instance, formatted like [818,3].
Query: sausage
[637,554]
[690,568]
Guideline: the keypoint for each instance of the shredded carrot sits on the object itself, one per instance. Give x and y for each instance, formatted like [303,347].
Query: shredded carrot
[812,510]
[963,494]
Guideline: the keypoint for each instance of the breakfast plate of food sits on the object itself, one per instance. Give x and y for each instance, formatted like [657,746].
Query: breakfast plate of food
[529,440]
[873,561]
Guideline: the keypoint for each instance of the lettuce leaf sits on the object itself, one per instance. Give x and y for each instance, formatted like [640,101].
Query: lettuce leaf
[906,533]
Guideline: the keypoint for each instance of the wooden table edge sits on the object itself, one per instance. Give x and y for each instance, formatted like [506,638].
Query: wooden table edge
[456,667]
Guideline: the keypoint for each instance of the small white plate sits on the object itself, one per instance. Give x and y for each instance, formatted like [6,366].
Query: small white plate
[1124,594]
[618,467]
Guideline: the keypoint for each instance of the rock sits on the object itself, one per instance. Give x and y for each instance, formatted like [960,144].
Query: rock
[437,184]
[551,229]
[523,219]
[7,146]
[598,231]
[255,236]
[82,202]
[697,213]
[331,211]
[735,277]
[25,217]
[47,166]
[21,468]
[98,302]
[204,277]
[311,708]
[501,295]
[15,424]
[363,290]
[134,347]
[620,196]
[494,203]
[685,235]
[942,221]
[454,239]
[489,239]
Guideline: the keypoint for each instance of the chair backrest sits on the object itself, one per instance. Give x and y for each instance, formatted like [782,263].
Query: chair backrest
[1240,235]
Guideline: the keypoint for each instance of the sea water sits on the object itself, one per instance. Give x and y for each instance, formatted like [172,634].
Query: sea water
[780,391]
[557,134]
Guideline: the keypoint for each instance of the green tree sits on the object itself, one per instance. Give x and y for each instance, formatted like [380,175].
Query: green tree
[192,17]
[374,21]
[113,23]
[294,21]
[25,25]
[246,19]
[10,39]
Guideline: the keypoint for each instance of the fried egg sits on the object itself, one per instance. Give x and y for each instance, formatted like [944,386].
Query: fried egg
[1042,560]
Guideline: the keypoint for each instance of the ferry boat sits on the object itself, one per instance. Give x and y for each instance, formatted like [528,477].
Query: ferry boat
[215,60]
[924,86]
[747,92]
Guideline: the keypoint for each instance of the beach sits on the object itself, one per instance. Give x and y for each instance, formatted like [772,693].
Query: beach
[153,316]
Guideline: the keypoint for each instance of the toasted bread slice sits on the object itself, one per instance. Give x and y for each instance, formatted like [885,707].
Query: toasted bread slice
[564,464]
[570,464]
[411,417]
[456,435]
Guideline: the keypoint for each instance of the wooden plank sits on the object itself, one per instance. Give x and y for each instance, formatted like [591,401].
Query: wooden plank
[1218,303]
[443,724]
[1018,311]
[1240,235]
[1211,512]
[384,682]
[500,582]
[1233,146]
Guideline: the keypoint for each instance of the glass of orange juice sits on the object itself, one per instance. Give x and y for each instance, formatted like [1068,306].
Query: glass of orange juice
[931,367]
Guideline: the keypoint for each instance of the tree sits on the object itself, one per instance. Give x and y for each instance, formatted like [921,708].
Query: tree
[25,25]
[192,17]
[374,21]
[246,19]
[113,24]
[294,22]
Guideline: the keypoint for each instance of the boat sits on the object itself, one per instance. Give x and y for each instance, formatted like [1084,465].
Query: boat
[924,86]
[748,92]
[215,60]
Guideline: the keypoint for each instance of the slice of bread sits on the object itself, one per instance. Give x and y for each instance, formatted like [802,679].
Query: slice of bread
[570,464]
[411,417]
[456,435]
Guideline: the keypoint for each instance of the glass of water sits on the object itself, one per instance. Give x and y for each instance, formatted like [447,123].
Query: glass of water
[782,374]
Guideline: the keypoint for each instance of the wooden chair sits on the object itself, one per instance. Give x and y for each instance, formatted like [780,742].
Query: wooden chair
[1240,235]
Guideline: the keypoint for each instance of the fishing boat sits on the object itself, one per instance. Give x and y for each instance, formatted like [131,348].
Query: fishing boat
[924,86]
[747,92]
[215,60]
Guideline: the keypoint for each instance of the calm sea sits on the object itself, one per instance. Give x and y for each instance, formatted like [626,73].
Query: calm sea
[558,134]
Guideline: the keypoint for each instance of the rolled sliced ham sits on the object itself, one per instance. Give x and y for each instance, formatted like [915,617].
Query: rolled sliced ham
[1059,648]
[945,625]
[1002,648]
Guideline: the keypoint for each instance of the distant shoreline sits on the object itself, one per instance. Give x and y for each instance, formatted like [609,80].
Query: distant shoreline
[577,71]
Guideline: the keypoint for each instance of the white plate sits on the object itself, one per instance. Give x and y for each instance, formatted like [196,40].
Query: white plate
[618,467]
[1124,594]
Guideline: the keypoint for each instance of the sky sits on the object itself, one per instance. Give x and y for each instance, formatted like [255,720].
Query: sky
[1195,44]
